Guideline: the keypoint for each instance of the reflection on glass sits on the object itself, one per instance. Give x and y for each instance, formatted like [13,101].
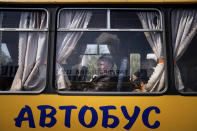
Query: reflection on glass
[5,54]
[100,61]
[91,49]
[134,63]
[103,49]
[118,61]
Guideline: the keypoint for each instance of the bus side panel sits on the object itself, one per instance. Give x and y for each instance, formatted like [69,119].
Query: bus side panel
[176,112]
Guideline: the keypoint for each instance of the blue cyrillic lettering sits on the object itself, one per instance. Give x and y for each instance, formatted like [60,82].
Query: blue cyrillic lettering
[21,118]
[94,116]
[145,116]
[43,116]
[106,117]
[67,114]
[131,119]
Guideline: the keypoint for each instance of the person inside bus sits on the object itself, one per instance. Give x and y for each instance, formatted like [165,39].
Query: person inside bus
[139,80]
[106,79]
[135,76]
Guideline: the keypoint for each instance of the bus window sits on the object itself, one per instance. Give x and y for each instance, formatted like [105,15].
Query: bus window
[98,14]
[128,20]
[23,42]
[98,59]
[184,39]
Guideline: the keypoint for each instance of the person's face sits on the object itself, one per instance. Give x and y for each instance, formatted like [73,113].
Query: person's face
[104,66]
[134,77]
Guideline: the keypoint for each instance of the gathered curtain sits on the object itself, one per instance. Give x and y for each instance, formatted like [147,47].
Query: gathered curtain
[184,28]
[66,42]
[31,73]
[151,20]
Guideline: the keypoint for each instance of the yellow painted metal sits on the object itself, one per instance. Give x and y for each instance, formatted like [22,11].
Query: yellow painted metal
[95,1]
[177,113]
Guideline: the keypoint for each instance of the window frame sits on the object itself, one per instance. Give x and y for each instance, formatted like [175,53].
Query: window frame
[28,30]
[108,29]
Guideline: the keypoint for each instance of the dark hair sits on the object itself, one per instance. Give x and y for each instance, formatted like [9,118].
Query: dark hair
[106,58]
[137,74]
[142,76]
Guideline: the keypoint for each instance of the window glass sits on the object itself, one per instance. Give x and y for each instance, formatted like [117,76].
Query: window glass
[87,70]
[91,49]
[5,53]
[103,49]
[97,49]
[11,19]
[184,39]
[124,19]
[23,53]
[151,56]
[134,63]
[98,18]
[106,60]
[90,61]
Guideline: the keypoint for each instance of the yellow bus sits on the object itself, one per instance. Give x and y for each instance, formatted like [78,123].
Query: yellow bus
[98,65]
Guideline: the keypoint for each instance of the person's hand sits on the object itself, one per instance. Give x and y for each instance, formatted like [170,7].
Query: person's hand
[143,87]
[94,76]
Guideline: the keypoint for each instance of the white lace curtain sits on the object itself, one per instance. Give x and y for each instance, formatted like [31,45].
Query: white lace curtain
[151,20]
[31,73]
[184,28]
[66,42]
